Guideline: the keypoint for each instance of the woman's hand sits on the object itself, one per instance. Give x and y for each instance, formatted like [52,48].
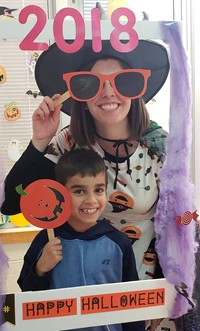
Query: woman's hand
[46,119]
[51,256]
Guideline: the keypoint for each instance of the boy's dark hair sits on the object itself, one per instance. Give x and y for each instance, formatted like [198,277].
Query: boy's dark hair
[83,162]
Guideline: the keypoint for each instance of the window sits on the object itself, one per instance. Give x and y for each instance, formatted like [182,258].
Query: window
[88,5]
[154,10]
[18,93]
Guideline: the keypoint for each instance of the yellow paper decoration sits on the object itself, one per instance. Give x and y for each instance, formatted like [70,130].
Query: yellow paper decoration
[18,220]
[114,4]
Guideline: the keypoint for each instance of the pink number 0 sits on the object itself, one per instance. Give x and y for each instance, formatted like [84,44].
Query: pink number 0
[58,30]
[28,43]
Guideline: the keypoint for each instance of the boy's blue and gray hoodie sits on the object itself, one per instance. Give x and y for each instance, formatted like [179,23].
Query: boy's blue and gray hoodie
[99,255]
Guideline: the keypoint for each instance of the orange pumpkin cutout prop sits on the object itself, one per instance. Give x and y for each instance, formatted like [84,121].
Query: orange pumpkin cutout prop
[12,112]
[2,75]
[45,203]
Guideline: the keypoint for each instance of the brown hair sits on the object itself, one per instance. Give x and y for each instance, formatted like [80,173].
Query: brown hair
[83,162]
[82,125]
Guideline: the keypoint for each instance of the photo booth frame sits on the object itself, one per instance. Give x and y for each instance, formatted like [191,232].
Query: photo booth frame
[112,303]
[86,306]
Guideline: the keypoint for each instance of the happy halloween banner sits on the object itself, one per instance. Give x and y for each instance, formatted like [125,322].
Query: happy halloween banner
[88,305]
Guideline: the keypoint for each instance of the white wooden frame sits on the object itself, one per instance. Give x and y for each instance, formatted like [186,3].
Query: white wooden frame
[116,309]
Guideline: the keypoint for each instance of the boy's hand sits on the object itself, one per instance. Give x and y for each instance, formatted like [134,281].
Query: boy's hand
[51,256]
[46,119]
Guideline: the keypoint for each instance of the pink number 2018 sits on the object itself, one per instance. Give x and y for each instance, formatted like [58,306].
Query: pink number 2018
[29,43]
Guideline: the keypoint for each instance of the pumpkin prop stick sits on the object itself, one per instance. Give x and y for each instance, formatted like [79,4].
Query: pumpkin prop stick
[46,204]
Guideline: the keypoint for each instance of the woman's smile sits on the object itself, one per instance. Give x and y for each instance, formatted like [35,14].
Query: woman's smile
[109,106]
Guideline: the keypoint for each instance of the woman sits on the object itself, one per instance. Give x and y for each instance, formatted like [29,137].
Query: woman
[108,114]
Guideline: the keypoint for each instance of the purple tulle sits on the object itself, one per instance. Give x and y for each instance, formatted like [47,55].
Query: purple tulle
[176,245]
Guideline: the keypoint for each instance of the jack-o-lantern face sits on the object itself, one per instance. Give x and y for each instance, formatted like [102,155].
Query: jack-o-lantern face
[45,203]
[150,257]
[2,75]
[132,232]
[12,112]
[120,201]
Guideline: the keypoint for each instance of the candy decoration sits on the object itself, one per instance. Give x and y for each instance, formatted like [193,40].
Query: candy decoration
[186,218]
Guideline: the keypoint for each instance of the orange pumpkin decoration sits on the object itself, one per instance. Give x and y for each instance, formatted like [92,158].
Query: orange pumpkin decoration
[45,203]
[2,75]
[12,112]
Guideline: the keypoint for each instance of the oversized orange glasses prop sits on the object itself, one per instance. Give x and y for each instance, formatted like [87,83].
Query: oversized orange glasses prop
[86,85]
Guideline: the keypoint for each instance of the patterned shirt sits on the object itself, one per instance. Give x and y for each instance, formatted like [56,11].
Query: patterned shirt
[131,205]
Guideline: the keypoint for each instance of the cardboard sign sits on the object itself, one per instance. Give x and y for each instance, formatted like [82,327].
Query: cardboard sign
[79,307]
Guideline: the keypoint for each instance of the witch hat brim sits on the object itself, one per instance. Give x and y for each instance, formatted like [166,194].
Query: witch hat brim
[53,63]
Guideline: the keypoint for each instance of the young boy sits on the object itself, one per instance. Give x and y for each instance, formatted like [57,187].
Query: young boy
[86,250]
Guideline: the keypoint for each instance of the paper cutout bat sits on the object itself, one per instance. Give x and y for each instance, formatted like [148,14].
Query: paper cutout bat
[33,93]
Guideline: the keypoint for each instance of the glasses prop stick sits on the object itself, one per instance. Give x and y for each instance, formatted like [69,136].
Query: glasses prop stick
[62,98]
[46,204]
